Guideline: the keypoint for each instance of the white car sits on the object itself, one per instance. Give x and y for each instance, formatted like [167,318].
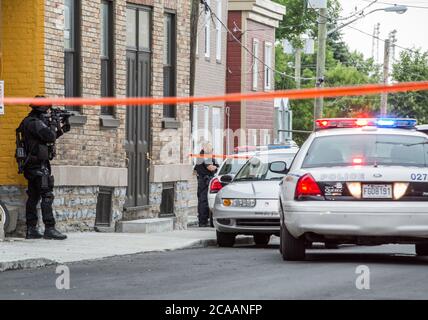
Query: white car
[230,166]
[357,181]
[248,204]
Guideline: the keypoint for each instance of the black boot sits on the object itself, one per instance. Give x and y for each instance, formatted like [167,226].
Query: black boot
[33,233]
[53,234]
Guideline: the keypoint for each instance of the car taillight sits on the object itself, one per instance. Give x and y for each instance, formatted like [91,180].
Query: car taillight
[307,187]
[215,186]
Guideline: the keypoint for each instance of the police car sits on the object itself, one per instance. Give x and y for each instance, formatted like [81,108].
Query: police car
[248,204]
[357,181]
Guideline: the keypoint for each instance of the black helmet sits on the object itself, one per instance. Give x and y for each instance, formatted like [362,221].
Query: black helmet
[40,108]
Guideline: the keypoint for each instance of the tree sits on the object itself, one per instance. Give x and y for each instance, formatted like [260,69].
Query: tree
[343,67]
[412,66]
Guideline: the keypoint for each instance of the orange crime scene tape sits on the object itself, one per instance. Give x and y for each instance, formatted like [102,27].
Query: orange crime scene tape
[234,97]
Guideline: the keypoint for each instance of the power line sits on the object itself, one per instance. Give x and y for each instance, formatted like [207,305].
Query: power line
[245,48]
[359,12]
[370,35]
[395,4]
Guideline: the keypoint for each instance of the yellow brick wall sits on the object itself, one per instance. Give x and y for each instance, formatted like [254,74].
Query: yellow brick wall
[22,69]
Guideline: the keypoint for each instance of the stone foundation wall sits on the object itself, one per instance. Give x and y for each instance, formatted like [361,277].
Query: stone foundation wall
[74,207]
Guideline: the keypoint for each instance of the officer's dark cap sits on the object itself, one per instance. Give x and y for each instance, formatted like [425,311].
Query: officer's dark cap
[40,108]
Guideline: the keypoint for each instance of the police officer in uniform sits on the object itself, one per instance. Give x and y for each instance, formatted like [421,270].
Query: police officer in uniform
[205,169]
[40,134]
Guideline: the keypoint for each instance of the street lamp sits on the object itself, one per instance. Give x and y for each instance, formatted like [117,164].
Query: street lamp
[396,9]
[322,40]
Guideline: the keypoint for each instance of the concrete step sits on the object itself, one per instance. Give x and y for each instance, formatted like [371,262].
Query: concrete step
[146,225]
[192,221]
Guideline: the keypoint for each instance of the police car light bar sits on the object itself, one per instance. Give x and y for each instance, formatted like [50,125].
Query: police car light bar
[364,122]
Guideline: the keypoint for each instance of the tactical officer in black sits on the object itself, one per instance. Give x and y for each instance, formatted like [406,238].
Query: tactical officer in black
[40,133]
[205,169]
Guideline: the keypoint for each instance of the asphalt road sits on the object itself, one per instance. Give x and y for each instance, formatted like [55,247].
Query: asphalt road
[244,272]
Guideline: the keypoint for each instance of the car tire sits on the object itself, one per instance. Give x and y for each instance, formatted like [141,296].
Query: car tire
[261,240]
[225,240]
[4,216]
[292,249]
[331,245]
[421,249]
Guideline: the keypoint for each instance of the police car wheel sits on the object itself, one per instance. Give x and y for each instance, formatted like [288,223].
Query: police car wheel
[225,239]
[422,249]
[262,240]
[4,216]
[292,249]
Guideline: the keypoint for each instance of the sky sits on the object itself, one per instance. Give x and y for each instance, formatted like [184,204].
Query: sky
[411,26]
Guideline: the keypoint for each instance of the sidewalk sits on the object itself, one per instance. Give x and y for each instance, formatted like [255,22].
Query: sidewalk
[19,253]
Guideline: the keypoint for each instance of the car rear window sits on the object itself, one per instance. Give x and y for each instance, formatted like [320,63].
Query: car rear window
[367,149]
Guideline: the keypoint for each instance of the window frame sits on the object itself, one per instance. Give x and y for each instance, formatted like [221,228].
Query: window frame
[108,89]
[268,65]
[170,67]
[219,38]
[73,54]
[207,33]
[256,51]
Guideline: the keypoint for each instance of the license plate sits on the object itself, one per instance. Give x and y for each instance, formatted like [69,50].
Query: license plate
[377,191]
[268,213]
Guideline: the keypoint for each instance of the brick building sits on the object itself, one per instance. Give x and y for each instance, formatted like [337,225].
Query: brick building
[116,163]
[253,23]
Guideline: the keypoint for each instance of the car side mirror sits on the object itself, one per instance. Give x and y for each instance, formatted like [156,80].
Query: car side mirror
[226,179]
[278,167]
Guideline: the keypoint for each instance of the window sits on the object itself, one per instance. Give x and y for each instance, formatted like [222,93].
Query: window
[104,206]
[167,202]
[131,29]
[218,31]
[169,72]
[72,50]
[268,66]
[107,85]
[255,63]
[207,123]
[369,149]
[207,31]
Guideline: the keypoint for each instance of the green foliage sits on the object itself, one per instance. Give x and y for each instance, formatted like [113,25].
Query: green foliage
[343,67]
[412,66]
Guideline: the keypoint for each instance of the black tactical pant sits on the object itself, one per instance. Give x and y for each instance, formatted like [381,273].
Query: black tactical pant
[203,208]
[36,191]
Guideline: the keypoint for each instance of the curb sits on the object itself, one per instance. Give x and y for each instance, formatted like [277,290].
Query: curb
[26,264]
[43,262]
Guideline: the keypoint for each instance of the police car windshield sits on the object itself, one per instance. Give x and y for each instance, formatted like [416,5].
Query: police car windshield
[370,149]
[232,166]
[257,168]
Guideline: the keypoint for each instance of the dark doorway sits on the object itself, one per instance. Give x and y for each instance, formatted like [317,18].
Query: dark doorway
[137,144]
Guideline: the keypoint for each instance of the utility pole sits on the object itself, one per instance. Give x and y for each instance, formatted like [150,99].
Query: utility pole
[322,42]
[393,39]
[375,43]
[298,67]
[384,96]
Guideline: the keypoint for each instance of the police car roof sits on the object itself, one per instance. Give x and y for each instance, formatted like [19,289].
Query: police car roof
[278,151]
[368,131]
